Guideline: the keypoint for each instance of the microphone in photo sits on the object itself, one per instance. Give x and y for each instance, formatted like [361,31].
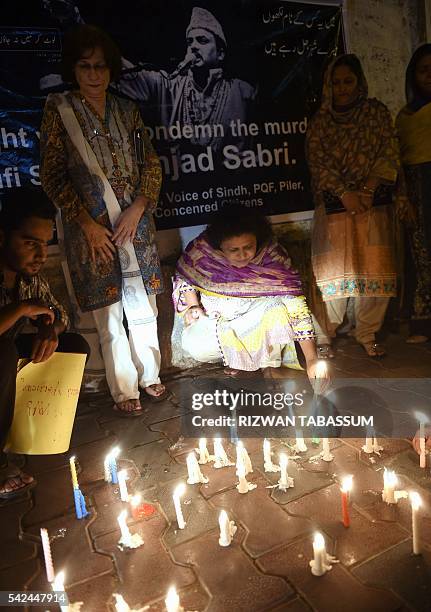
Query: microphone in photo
[188,61]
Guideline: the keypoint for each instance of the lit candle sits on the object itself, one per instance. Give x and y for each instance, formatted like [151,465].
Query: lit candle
[195,475]
[389,484]
[242,456]
[243,485]
[423,419]
[300,446]
[318,564]
[110,465]
[73,473]
[220,457]
[127,539]
[326,452]
[172,601]
[267,452]
[126,536]
[58,586]
[416,502]
[179,491]
[368,446]
[285,481]
[122,478]
[376,446]
[227,529]
[120,604]
[204,456]
[268,465]
[346,487]
[46,546]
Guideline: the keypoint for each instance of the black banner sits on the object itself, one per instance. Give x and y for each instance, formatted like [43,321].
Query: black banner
[225,88]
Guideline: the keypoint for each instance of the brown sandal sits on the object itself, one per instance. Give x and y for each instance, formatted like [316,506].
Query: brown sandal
[127,414]
[13,473]
[374,350]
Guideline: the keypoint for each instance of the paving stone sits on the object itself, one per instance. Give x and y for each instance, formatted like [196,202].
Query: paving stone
[409,576]
[95,593]
[91,457]
[220,479]
[170,428]
[53,497]
[13,549]
[230,576]
[147,571]
[199,516]
[72,551]
[391,447]
[155,464]
[362,539]
[106,500]
[266,528]
[15,578]
[336,591]
[129,435]
[407,463]
[304,483]
[85,430]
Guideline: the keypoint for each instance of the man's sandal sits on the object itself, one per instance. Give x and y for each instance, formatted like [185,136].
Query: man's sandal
[19,483]
[127,414]
[374,350]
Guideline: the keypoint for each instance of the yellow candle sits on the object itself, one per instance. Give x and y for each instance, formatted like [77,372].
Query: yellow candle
[73,473]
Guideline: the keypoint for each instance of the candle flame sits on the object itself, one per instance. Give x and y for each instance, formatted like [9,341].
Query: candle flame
[180,490]
[284,460]
[346,484]
[319,541]
[135,500]
[172,600]
[120,604]
[321,369]
[415,500]
[58,584]
[390,478]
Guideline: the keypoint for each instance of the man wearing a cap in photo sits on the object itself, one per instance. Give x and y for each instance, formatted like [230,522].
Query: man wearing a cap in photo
[197,92]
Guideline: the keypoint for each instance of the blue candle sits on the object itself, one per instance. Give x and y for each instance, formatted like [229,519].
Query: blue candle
[77,500]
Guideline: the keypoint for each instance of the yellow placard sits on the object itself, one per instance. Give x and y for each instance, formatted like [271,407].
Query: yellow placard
[46,398]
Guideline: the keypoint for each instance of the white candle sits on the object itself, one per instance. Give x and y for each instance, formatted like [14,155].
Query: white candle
[195,475]
[126,536]
[58,586]
[242,486]
[49,566]
[416,502]
[220,457]
[179,491]
[242,456]
[227,529]
[300,445]
[376,446]
[122,477]
[172,601]
[389,484]
[267,452]
[120,604]
[318,565]
[368,447]
[285,481]
[423,419]
[326,452]
[204,456]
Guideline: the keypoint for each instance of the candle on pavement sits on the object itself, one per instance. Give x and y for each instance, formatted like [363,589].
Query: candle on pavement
[73,473]
[178,492]
[416,502]
[122,478]
[346,487]
[318,564]
[220,457]
[389,484]
[204,456]
[172,601]
[46,546]
[227,529]
[300,446]
[58,587]
[285,480]
[195,475]
[326,450]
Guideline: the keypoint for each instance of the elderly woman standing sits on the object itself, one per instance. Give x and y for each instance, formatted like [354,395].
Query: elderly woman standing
[353,158]
[414,129]
[100,170]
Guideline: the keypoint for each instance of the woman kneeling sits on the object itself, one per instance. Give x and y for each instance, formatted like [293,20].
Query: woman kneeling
[240,299]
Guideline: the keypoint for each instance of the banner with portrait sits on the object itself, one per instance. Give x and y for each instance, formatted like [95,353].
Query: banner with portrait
[226,90]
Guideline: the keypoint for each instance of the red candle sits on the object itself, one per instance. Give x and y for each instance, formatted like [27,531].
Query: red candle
[345,494]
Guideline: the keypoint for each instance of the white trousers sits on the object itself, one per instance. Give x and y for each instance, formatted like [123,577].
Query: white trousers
[369,315]
[131,362]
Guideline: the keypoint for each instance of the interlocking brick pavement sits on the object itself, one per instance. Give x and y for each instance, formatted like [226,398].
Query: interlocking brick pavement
[266,568]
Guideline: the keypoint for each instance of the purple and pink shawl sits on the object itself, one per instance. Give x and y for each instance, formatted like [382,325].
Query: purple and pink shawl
[269,273]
